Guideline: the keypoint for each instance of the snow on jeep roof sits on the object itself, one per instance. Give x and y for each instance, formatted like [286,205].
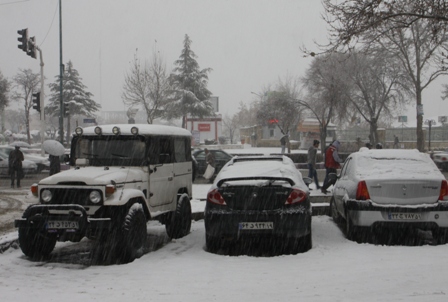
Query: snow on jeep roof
[143,129]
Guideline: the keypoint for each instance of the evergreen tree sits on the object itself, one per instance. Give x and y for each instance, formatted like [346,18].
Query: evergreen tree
[74,94]
[189,84]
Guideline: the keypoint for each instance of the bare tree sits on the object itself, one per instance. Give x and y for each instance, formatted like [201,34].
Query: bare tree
[422,58]
[230,126]
[379,86]
[15,118]
[413,30]
[349,20]
[25,84]
[147,87]
[4,98]
[327,88]
[280,105]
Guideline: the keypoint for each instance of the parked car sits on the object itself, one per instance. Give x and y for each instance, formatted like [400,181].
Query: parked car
[390,192]
[441,159]
[42,162]
[28,166]
[221,158]
[255,198]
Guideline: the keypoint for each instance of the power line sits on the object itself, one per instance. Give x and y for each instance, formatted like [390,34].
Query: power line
[15,2]
[48,31]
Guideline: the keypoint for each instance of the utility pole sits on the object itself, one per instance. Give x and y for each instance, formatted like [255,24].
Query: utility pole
[61,73]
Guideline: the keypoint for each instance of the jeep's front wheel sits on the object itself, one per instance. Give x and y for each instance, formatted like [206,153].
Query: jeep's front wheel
[132,235]
[180,223]
[35,243]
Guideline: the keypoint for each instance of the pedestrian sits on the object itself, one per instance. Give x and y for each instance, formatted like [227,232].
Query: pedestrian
[55,164]
[396,141]
[283,141]
[312,154]
[332,163]
[210,160]
[15,166]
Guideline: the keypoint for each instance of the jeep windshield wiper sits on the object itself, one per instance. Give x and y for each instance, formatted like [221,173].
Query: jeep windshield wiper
[119,155]
[90,154]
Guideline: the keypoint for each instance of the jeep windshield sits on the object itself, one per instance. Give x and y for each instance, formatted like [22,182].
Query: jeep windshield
[110,150]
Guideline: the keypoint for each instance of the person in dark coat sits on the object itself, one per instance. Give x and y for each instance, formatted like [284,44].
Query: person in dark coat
[15,166]
[332,163]
[209,158]
[55,164]
[312,154]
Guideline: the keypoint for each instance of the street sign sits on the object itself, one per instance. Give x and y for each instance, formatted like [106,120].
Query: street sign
[89,120]
[403,119]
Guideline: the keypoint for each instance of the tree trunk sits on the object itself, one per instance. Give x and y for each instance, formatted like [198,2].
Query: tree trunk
[67,141]
[419,130]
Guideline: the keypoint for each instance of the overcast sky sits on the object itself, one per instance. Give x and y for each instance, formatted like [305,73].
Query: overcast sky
[248,43]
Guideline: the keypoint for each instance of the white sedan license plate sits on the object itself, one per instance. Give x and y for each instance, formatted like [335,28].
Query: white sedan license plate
[256,225]
[62,224]
[405,216]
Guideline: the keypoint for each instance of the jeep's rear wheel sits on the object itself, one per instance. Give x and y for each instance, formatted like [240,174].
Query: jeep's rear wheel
[35,243]
[180,223]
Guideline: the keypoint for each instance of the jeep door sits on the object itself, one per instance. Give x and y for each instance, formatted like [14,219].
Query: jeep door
[161,178]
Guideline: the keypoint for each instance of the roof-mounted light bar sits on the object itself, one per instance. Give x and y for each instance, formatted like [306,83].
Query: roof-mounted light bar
[116,130]
[134,130]
[78,131]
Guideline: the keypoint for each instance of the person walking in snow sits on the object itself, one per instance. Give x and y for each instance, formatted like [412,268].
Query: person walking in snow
[332,163]
[312,154]
[15,166]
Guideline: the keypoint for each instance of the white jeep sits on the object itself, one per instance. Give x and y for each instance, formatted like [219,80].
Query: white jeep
[121,176]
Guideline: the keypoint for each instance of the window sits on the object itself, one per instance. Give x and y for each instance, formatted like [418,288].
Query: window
[165,154]
[179,150]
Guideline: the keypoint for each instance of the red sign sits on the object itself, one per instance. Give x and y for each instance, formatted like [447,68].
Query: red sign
[273,121]
[204,127]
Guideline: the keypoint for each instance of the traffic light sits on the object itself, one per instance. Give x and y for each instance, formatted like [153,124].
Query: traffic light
[66,109]
[36,101]
[23,39]
[32,48]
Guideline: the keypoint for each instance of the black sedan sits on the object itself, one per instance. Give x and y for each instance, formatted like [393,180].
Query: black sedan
[221,158]
[259,201]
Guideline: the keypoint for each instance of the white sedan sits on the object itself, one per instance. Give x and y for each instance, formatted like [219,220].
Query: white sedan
[390,191]
[28,166]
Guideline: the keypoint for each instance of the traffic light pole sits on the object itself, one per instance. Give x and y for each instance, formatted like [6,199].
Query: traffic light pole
[42,108]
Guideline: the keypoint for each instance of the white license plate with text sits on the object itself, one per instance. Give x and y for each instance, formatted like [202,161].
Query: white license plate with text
[256,225]
[62,224]
[405,216]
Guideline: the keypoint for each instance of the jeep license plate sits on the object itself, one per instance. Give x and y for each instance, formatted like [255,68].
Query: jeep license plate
[256,225]
[62,224]
[405,216]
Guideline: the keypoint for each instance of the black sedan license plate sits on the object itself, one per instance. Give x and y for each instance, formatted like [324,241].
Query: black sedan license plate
[256,225]
[62,224]
[405,216]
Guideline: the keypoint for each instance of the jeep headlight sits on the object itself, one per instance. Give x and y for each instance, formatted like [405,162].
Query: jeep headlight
[46,195]
[95,196]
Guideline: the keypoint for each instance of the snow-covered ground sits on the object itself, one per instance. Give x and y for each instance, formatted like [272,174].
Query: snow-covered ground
[335,269]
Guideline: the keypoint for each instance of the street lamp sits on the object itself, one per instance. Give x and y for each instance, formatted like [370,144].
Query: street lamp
[430,122]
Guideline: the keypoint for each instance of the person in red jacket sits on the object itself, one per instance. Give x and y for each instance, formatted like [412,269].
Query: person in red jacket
[332,163]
